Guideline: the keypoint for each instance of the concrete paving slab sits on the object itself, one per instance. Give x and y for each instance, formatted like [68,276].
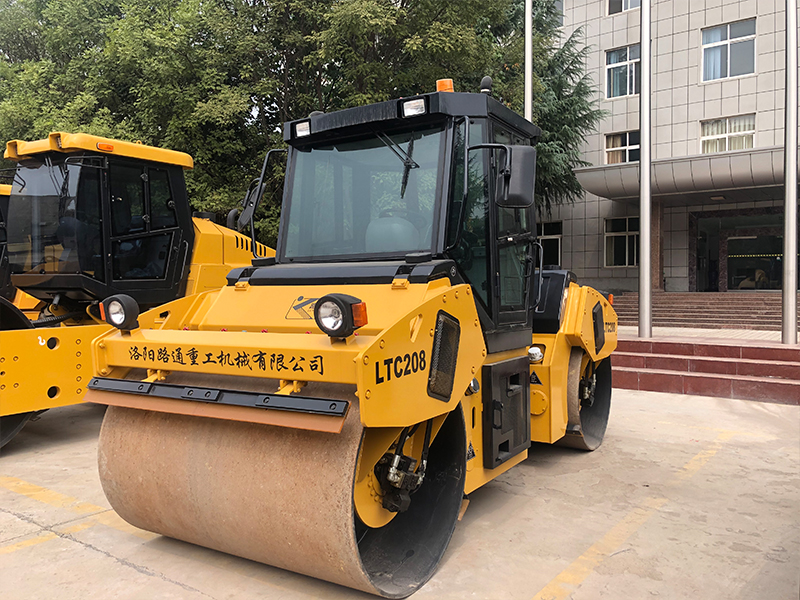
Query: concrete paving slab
[688,497]
[13,527]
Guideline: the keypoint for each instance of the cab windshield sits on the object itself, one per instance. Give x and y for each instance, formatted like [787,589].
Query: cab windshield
[373,196]
[54,219]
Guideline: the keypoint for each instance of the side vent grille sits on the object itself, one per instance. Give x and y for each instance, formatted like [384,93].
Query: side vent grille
[444,356]
[599,327]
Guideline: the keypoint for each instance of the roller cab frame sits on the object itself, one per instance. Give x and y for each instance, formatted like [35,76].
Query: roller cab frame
[390,340]
[83,218]
[6,289]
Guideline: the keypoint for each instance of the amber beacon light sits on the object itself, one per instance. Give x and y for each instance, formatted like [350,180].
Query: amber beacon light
[444,85]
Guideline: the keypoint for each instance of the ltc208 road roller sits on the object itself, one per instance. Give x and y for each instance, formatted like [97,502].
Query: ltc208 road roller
[83,218]
[330,408]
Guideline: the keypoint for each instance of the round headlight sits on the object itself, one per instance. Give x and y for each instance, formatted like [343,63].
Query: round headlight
[330,317]
[120,311]
[339,315]
[116,312]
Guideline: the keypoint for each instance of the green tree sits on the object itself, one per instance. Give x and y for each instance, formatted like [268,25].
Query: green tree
[565,106]
[217,78]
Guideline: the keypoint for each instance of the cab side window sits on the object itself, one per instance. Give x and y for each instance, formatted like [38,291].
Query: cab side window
[142,215]
[162,208]
[513,252]
[127,199]
[472,251]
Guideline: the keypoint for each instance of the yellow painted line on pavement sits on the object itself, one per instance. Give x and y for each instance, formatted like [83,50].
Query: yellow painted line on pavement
[99,514]
[701,458]
[47,496]
[570,578]
[565,583]
[732,432]
[44,537]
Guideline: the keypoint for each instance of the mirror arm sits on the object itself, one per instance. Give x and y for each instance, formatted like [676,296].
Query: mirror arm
[540,252]
[462,211]
[251,205]
[505,170]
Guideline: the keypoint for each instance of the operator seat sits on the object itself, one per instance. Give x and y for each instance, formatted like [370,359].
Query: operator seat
[391,234]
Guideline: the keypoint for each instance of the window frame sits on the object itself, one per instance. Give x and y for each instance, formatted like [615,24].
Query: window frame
[624,10]
[728,42]
[290,197]
[629,64]
[507,314]
[541,227]
[727,135]
[627,234]
[148,231]
[627,148]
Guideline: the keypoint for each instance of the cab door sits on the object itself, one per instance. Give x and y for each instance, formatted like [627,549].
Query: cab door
[513,232]
[149,233]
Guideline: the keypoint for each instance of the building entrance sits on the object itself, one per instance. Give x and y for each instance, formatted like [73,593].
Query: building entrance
[738,251]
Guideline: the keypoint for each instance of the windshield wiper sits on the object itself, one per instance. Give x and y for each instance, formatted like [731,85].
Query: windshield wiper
[408,162]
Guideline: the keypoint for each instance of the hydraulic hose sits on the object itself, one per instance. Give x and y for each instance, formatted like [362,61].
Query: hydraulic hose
[54,319]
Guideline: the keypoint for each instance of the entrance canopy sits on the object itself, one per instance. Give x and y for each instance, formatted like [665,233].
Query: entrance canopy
[740,175]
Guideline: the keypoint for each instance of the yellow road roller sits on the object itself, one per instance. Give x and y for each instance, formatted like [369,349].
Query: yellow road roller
[83,218]
[330,408]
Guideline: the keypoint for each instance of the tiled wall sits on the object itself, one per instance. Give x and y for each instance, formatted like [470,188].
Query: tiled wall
[680,101]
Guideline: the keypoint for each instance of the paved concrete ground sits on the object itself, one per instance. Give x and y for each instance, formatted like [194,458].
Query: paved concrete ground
[689,497]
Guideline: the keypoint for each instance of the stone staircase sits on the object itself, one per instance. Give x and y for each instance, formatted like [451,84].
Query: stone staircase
[748,370]
[707,310]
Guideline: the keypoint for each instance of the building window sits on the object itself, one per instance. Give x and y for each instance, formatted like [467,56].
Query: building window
[733,133]
[623,72]
[622,147]
[729,50]
[618,6]
[622,242]
[560,11]
[549,235]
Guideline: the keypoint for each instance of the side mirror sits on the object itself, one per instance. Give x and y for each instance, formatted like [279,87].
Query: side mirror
[515,182]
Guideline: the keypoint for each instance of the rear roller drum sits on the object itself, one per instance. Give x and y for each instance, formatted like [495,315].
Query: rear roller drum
[588,401]
[12,318]
[282,496]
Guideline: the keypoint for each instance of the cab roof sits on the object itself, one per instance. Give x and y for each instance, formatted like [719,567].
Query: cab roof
[389,114]
[73,142]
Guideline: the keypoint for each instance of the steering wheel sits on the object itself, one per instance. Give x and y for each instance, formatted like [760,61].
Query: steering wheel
[412,216]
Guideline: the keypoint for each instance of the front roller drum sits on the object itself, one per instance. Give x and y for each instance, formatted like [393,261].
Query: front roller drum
[279,495]
[587,417]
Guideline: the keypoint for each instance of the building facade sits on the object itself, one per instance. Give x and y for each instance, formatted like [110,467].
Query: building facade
[717,130]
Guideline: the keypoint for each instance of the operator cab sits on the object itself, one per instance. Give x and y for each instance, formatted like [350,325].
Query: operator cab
[89,217]
[377,192]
